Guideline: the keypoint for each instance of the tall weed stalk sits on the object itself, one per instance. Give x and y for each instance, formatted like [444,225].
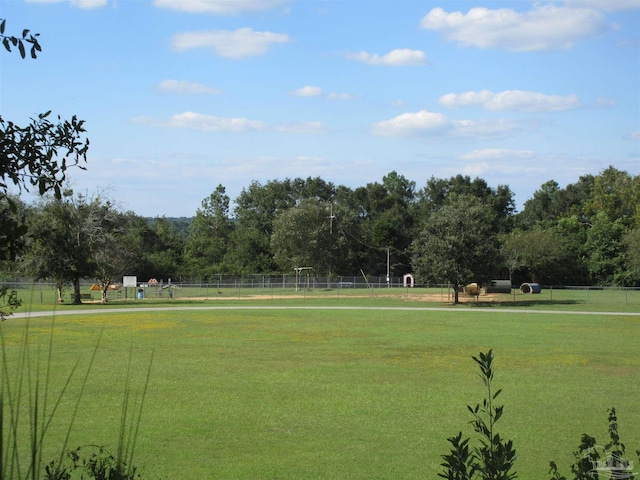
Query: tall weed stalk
[492,458]
[25,383]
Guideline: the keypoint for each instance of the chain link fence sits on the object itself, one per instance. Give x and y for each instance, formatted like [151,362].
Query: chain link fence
[309,286]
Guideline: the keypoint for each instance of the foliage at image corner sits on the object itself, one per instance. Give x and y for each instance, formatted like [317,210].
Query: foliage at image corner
[30,402]
[487,456]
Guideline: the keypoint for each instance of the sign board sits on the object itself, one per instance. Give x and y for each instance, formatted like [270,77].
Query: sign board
[130,281]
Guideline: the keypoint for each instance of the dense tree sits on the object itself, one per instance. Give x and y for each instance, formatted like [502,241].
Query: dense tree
[61,234]
[589,221]
[512,252]
[114,251]
[606,250]
[457,244]
[631,242]
[550,203]
[209,236]
[436,193]
[256,209]
[387,219]
[538,250]
[616,195]
[302,237]
[163,249]
[12,227]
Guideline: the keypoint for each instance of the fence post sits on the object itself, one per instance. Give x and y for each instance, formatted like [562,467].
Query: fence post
[587,295]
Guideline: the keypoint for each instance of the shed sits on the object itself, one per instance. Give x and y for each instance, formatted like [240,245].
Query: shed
[530,288]
[498,286]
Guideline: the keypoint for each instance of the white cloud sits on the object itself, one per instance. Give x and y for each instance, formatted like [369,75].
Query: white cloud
[635,135]
[511,100]
[487,154]
[412,124]
[339,96]
[425,124]
[241,43]
[501,162]
[546,27]
[603,102]
[311,91]
[307,91]
[485,129]
[184,87]
[605,5]
[301,128]
[396,58]
[84,4]
[212,123]
[220,7]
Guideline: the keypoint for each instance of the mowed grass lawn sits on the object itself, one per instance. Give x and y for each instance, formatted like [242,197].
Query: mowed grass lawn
[337,394]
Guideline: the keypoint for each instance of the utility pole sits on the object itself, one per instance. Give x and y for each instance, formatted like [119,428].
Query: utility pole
[331,218]
[388,269]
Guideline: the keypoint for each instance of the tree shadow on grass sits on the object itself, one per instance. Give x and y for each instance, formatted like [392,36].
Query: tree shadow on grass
[522,303]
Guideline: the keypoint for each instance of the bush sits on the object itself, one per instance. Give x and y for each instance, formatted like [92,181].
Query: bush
[492,458]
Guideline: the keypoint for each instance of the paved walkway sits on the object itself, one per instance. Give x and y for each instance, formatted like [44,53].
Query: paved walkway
[104,311]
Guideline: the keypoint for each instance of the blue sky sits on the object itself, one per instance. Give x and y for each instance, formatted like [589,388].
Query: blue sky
[182,95]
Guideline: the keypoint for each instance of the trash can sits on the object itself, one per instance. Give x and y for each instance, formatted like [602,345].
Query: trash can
[140,294]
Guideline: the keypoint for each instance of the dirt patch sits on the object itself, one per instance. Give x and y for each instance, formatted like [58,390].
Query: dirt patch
[427,298]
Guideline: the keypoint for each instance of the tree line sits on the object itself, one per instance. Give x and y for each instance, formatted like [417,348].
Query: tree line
[453,230]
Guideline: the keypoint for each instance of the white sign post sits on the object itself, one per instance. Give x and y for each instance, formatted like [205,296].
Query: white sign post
[129,281]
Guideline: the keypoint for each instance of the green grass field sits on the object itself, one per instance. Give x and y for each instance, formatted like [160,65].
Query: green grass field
[339,394]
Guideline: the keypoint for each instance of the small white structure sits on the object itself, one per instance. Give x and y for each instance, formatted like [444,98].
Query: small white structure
[408,280]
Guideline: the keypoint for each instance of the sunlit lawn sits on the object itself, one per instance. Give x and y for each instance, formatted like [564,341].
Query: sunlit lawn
[340,394]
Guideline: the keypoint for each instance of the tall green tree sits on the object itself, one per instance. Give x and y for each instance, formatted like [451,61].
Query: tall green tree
[436,193]
[387,223]
[209,236]
[163,249]
[114,250]
[538,251]
[632,243]
[61,234]
[457,244]
[302,237]
[550,203]
[256,209]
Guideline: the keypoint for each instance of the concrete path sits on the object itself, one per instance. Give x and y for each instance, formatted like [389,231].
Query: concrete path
[104,311]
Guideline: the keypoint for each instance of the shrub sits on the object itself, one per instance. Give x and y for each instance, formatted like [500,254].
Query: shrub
[593,461]
[492,458]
